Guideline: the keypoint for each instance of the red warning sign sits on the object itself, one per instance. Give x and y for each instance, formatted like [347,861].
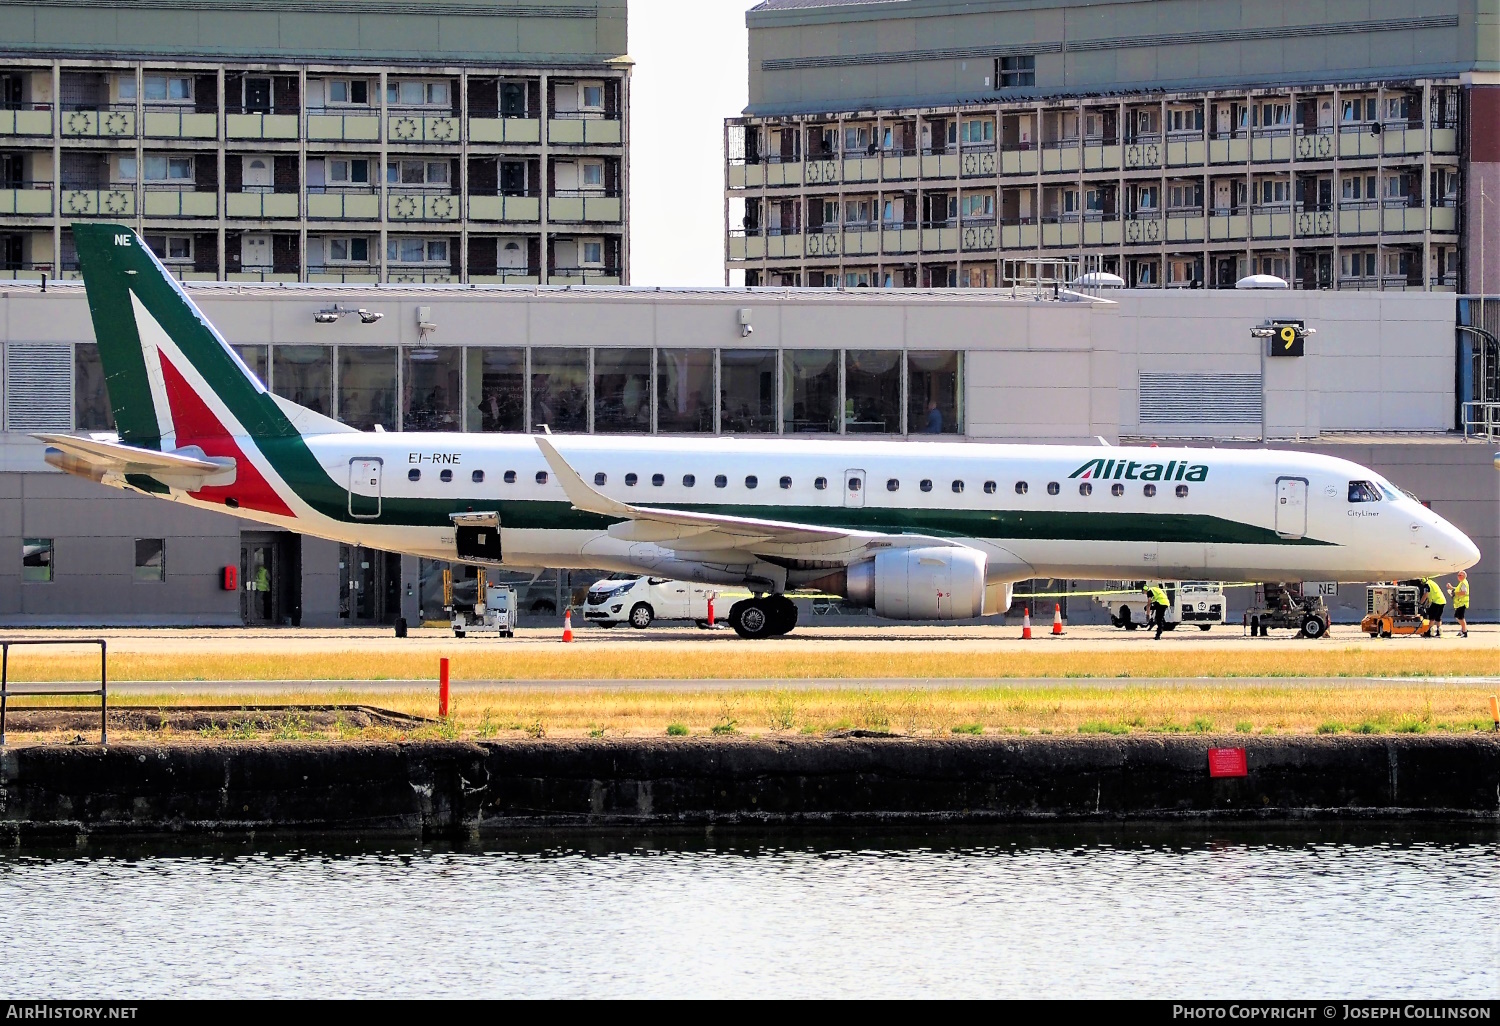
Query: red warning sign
[1226,762]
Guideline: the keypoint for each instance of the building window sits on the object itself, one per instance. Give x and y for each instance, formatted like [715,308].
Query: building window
[349,251]
[432,390]
[416,172]
[747,382]
[351,171]
[416,251]
[91,408]
[977,131]
[810,390]
[1013,72]
[560,389]
[150,559]
[418,93]
[171,249]
[304,374]
[934,393]
[344,90]
[367,387]
[36,559]
[168,89]
[685,391]
[622,390]
[872,391]
[497,389]
[591,95]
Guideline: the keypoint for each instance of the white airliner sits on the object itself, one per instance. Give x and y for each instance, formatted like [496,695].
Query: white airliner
[914,530]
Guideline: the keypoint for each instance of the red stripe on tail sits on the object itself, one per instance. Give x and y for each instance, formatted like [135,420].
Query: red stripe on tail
[197,425]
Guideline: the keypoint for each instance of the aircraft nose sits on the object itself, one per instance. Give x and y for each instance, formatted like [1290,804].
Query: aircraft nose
[1458,549]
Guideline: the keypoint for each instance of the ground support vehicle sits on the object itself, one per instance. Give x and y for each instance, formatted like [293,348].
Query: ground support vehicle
[1284,606]
[1393,609]
[1198,603]
[494,612]
[641,601]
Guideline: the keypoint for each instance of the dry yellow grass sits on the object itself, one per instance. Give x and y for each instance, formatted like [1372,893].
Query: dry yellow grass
[1062,708]
[661,662]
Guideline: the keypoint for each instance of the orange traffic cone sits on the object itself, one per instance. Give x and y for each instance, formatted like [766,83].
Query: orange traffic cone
[1057,618]
[1026,625]
[568,626]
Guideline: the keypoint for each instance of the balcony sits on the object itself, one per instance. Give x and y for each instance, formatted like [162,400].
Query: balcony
[165,122]
[186,272]
[421,125]
[582,129]
[332,127]
[98,123]
[169,201]
[983,163]
[270,127]
[431,204]
[343,274]
[1356,139]
[26,271]
[939,164]
[1061,155]
[1061,230]
[776,244]
[31,122]
[569,206]
[1022,233]
[1099,155]
[900,165]
[897,237]
[507,276]
[505,208]
[1268,145]
[1229,148]
[424,275]
[505,130]
[1359,217]
[343,203]
[1144,151]
[1444,217]
[1271,222]
[1401,215]
[1313,221]
[260,206]
[1101,229]
[262,274]
[584,276]
[1186,149]
[1186,224]
[857,239]
[1314,145]
[1398,138]
[939,237]
[1143,228]
[31,200]
[116,200]
[1227,224]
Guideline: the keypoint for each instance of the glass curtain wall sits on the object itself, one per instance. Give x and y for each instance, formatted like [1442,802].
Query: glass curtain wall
[810,386]
[254,357]
[747,391]
[433,391]
[685,391]
[304,374]
[934,399]
[367,387]
[91,409]
[872,391]
[560,389]
[497,389]
[622,390]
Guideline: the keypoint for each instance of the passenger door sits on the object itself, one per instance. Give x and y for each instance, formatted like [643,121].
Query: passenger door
[854,489]
[1291,507]
[364,487]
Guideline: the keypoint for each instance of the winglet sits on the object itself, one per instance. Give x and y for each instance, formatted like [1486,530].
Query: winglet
[579,493]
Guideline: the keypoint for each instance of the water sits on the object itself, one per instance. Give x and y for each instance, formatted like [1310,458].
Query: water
[1082,912]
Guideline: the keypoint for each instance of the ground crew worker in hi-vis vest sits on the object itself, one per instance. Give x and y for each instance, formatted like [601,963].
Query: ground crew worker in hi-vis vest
[1436,603]
[1461,603]
[1159,606]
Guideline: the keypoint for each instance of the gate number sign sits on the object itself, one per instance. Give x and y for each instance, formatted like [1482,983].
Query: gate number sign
[1226,762]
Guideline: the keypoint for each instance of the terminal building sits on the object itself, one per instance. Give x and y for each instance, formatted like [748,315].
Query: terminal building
[1184,143]
[1377,385]
[462,142]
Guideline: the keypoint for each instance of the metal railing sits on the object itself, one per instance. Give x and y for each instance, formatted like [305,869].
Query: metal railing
[102,690]
[1481,419]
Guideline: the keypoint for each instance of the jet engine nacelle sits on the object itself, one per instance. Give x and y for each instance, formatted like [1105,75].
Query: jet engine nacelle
[920,584]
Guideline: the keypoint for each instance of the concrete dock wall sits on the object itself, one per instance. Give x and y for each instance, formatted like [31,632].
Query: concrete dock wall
[463,788]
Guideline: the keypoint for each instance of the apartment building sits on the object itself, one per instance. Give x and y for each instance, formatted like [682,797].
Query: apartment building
[452,143]
[1175,143]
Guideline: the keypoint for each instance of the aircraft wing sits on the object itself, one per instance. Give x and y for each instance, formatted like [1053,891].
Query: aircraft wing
[93,458]
[685,530]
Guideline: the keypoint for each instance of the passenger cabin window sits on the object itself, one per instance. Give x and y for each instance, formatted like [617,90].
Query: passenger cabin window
[1150,491]
[510,477]
[751,481]
[1022,487]
[1364,491]
[414,474]
[688,480]
[990,488]
[925,484]
[786,482]
[446,476]
[855,484]
[892,485]
[601,479]
[1053,487]
[1182,491]
[721,481]
[1117,489]
[541,477]
[477,477]
[958,486]
[1085,488]
[820,483]
[657,480]
[630,480]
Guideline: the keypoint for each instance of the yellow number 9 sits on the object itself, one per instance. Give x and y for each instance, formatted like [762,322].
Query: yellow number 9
[1288,335]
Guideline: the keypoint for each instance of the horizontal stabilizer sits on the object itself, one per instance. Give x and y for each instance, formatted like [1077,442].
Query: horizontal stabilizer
[187,469]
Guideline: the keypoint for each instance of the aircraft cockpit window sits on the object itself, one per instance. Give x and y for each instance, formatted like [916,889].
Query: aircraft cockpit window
[1364,491]
[510,477]
[541,477]
[600,479]
[414,474]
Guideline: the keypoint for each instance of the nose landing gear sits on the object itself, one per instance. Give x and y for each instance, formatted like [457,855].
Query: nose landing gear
[766,617]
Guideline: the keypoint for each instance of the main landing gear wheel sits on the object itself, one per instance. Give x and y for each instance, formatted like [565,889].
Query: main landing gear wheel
[1205,626]
[783,614]
[763,617]
[1313,627]
[641,616]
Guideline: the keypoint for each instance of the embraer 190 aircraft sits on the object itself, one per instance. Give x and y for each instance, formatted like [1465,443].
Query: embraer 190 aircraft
[914,530]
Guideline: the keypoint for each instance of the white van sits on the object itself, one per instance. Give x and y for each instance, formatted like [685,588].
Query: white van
[1200,603]
[640,600]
